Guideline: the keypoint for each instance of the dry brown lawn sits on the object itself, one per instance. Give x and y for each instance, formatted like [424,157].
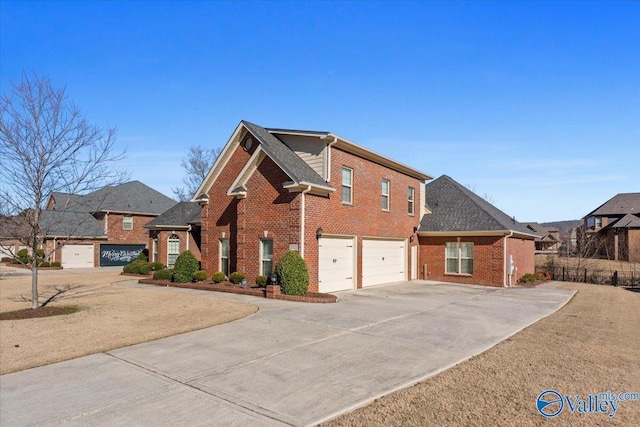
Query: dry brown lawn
[113,316]
[589,263]
[591,345]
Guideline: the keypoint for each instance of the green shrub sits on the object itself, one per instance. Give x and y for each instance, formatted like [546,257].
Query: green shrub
[142,257]
[15,261]
[55,264]
[236,277]
[145,269]
[532,278]
[293,275]
[186,264]
[23,256]
[163,274]
[218,277]
[157,266]
[261,281]
[199,276]
[134,267]
[45,264]
[5,259]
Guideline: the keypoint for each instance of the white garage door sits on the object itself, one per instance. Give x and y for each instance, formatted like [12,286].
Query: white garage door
[336,264]
[77,256]
[383,261]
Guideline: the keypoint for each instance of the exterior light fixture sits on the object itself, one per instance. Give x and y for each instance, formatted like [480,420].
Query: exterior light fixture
[319,233]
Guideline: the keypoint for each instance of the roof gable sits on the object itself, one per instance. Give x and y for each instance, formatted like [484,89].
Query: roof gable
[455,208]
[182,214]
[620,204]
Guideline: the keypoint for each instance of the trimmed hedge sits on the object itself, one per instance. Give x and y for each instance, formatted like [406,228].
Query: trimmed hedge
[236,277]
[218,277]
[145,269]
[163,274]
[157,266]
[45,264]
[200,276]
[293,276]
[56,264]
[261,281]
[186,265]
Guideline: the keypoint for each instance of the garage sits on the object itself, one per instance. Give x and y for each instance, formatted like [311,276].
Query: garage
[336,263]
[383,261]
[77,256]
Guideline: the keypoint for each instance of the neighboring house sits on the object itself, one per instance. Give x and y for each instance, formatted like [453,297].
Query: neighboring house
[102,228]
[548,241]
[351,213]
[465,239]
[612,230]
[175,231]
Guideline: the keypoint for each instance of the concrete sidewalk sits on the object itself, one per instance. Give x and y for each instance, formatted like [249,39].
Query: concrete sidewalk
[289,364]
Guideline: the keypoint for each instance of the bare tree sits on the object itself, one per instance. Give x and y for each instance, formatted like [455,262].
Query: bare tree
[47,146]
[197,164]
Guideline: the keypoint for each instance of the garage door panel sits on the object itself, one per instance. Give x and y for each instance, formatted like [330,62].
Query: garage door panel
[335,264]
[77,256]
[383,261]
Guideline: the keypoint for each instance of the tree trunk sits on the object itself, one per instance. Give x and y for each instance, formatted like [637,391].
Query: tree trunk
[34,285]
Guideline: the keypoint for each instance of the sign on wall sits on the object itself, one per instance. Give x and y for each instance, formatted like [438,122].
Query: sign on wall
[116,255]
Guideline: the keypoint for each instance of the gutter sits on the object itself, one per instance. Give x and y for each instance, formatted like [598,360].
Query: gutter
[328,156]
[506,273]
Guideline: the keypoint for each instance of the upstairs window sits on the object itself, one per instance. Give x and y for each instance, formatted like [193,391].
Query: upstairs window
[598,222]
[127,222]
[347,185]
[410,199]
[459,258]
[385,195]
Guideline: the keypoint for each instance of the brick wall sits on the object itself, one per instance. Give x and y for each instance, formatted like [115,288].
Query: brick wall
[488,260]
[365,217]
[523,252]
[138,235]
[633,245]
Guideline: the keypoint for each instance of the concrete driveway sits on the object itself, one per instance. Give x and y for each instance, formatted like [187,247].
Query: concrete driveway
[289,364]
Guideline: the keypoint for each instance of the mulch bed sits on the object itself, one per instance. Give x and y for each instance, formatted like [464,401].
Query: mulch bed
[237,289]
[46,311]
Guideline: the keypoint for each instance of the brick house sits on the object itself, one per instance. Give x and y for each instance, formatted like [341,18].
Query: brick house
[102,228]
[465,239]
[175,231]
[548,241]
[612,230]
[351,213]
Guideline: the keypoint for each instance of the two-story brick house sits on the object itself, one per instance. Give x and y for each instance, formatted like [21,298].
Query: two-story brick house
[102,228]
[350,212]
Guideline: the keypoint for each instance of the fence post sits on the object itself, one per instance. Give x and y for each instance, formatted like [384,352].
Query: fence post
[585,275]
[614,279]
[563,274]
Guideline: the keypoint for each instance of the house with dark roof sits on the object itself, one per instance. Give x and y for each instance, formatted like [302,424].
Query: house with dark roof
[465,239]
[175,231]
[612,230]
[102,228]
[548,241]
[358,218]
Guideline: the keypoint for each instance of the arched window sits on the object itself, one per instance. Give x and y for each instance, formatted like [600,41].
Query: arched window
[173,250]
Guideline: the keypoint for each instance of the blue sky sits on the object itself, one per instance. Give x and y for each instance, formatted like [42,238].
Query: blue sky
[535,105]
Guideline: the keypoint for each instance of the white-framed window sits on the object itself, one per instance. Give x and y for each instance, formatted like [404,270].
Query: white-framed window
[411,194]
[224,256]
[266,257]
[155,250]
[127,222]
[598,220]
[459,258]
[173,250]
[347,185]
[385,194]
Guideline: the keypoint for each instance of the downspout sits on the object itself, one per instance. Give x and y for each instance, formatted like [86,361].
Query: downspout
[106,222]
[55,249]
[302,218]
[188,232]
[506,282]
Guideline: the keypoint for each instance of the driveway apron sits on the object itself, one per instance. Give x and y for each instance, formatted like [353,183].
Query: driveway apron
[289,364]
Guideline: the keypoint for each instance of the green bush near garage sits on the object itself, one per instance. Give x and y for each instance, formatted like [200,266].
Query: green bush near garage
[293,275]
[163,274]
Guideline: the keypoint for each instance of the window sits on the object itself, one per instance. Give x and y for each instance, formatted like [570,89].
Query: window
[598,222]
[173,250]
[155,250]
[266,257]
[459,258]
[224,256]
[127,222]
[347,185]
[410,199]
[385,195]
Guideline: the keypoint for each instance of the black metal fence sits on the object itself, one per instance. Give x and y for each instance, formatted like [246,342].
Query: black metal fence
[599,277]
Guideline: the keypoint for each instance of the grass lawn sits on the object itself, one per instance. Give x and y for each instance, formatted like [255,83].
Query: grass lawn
[591,345]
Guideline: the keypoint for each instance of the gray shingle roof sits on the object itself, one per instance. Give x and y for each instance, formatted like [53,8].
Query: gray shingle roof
[130,197]
[541,230]
[71,224]
[620,204]
[296,168]
[180,215]
[456,208]
[627,221]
